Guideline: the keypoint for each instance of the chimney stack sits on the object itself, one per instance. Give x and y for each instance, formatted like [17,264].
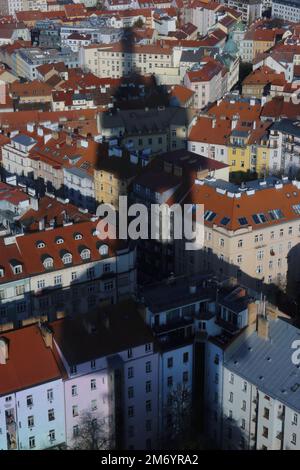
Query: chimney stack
[262,327]
[3,350]
[47,335]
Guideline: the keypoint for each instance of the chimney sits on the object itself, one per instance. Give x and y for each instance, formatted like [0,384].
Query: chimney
[3,350]
[262,327]
[47,335]
[252,313]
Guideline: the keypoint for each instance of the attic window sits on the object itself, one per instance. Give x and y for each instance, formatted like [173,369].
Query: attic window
[209,216]
[276,214]
[17,269]
[48,263]
[103,250]
[67,258]
[59,241]
[77,236]
[1,272]
[225,221]
[259,218]
[296,208]
[243,221]
[85,254]
[40,244]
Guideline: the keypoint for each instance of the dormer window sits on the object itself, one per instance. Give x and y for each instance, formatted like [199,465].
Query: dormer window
[1,272]
[48,262]
[77,236]
[16,266]
[85,253]
[67,258]
[59,240]
[103,250]
[40,244]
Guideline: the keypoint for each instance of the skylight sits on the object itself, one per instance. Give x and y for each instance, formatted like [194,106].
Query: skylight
[259,218]
[276,214]
[209,216]
[243,221]
[296,208]
[225,221]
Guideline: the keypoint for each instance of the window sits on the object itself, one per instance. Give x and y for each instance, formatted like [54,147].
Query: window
[185,357]
[265,432]
[240,243]
[148,386]
[130,411]
[93,384]
[243,424]
[185,376]
[52,435]
[108,286]
[130,372]
[239,259]
[244,404]
[59,241]
[74,411]
[20,290]
[231,397]
[74,390]
[216,378]
[18,269]
[57,280]
[73,369]
[148,406]
[106,268]
[93,364]
[148,347]
[148,425]
[244,388]
[41,284]
[85,254]
[170,362]
[103,250]
[75,430]
[50,394]
[295,419]
[131,431]
[221,241]
[51,416]
[231,378]
[94,405]
[29,400]
[67,258]
[170,381]
[31,442]
[266,413]
[148,367]
[48,263]
[130,392]
[129,353]
[294,438]
[30,421]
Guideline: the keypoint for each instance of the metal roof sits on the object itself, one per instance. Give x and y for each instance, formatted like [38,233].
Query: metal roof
[267,363]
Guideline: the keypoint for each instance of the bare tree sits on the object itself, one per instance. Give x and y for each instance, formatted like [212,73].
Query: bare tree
[93,433]
[177,417]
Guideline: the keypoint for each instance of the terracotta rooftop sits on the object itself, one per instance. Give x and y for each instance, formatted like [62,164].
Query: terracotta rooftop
[30,362]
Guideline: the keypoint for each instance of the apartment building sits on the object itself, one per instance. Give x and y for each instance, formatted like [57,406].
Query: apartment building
[115,171]
[250,231]
[122,59]
[288,10]
[207,81]
[285,144]
[154,130]
[63,270]
[258,40]
[203,15]
[31,393]
[260,413]
[250,9]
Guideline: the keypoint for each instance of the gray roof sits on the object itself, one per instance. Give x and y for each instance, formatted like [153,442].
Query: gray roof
[24,140]
[287,126]
[139,120]
[257,185]
[268,365]
[78,172]
[175,293]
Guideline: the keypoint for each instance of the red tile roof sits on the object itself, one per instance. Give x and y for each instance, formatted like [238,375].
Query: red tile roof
[209,130]
[30,362]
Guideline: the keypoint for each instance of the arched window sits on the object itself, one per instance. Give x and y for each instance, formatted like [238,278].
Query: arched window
[48,263]
[103,250]
[67,258]
[85,254]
